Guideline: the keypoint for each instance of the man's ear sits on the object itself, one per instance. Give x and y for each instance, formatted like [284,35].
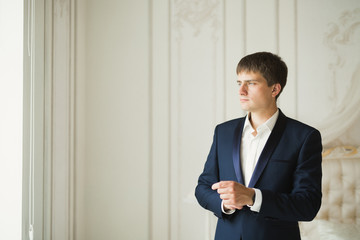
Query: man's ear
[276,89]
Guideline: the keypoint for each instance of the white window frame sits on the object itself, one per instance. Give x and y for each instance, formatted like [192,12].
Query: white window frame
[48,168]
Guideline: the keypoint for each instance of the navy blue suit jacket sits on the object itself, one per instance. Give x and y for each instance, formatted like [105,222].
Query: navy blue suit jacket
[288,173]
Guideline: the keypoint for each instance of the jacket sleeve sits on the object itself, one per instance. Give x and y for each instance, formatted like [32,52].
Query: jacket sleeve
[208,198]
[304,201]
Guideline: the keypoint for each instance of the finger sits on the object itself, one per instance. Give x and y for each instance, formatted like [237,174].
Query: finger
[233,207]
[222,190]
[215,186]
[229,204]
[218,185]
[230,207]
[221,184]
[225,196]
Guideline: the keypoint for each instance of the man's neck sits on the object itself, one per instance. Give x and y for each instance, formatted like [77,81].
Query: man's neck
[258,118]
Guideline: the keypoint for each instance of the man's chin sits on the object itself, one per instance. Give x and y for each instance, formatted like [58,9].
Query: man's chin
[245,107]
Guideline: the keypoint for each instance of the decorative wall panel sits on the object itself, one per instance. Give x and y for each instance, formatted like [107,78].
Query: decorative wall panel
[187,51]
[329,68]
[197,100]
[319,47]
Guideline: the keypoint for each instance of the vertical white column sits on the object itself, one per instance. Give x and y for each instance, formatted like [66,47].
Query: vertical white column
[62,124]
[160,142]
[235,49]
[288,51]
[33,143]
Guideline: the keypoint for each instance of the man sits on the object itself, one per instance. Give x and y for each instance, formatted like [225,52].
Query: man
[263,172]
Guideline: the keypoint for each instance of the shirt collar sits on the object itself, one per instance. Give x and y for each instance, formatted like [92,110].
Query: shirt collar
[269,124]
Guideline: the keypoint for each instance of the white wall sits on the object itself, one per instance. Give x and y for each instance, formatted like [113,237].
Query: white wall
[11,104]
[153,78]
[115,123]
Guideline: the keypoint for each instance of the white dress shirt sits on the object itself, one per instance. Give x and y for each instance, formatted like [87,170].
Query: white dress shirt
[251,148]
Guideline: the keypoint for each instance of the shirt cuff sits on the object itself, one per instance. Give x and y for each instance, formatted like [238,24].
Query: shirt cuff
[258,201]
[228,212]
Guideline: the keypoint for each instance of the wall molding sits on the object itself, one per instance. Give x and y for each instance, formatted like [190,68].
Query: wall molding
[62,119]
[34,193]
[48,192]
[160,120]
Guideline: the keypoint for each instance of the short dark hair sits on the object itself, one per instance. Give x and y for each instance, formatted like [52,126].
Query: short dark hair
[269,65]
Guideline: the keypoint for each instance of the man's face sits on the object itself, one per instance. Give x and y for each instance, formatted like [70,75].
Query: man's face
[255,94]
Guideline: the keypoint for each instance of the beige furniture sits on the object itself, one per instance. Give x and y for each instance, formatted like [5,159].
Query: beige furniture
[339,215]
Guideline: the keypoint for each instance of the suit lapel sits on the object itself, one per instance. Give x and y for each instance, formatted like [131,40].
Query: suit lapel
[236,150]
[269,147]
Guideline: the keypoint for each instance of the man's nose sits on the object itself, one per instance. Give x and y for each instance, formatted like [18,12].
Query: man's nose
[243,89]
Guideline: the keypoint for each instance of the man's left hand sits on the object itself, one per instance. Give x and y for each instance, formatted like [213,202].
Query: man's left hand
[234,194]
